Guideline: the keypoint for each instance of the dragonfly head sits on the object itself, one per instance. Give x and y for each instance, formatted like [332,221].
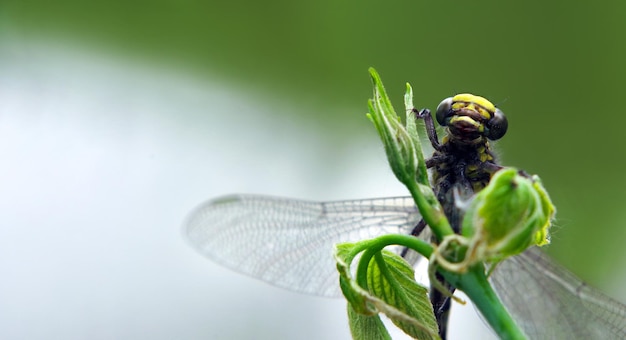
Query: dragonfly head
[468,117]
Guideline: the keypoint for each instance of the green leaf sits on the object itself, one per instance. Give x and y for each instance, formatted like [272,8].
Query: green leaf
[399,146]
[392,279]
[356,296]
[391,289]
[411,127]
[366,327]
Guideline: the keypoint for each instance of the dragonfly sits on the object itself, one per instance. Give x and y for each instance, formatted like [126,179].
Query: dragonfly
[289,242]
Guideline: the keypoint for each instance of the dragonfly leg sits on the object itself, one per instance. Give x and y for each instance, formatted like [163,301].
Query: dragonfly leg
[421,225]
[436,160]
[430,127]
[417,230]
[441,306]
[493,167]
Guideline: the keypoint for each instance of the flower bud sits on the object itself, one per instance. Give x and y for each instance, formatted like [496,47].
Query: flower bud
[511,214]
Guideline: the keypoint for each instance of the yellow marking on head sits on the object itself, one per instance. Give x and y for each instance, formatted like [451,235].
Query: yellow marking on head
[468,120]
[472,102]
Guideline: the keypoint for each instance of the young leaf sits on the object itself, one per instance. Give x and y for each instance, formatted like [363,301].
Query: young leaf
[366,327]
[391,289]
[392,279]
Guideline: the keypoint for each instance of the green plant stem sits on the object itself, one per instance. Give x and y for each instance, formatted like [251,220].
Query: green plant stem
[381,242]
[474,283]
[430,211]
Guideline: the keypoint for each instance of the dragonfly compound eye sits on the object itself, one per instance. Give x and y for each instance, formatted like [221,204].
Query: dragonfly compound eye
[444,110]
[496,126]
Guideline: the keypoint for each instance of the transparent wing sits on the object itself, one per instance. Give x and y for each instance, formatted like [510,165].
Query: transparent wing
[289,243]
[549,302]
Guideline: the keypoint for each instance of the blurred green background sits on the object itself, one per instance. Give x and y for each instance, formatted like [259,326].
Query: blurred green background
[556,70]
